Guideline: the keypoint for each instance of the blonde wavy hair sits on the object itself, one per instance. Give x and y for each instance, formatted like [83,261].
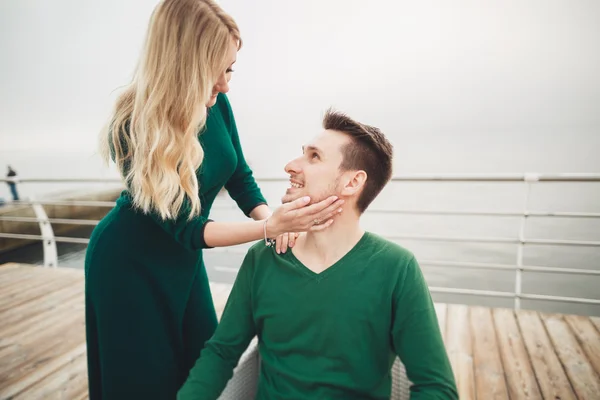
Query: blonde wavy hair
[152,134]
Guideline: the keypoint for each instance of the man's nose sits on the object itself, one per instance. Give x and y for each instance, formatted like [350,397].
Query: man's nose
[292,167]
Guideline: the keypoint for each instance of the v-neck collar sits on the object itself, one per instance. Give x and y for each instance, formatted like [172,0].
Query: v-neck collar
[334,266]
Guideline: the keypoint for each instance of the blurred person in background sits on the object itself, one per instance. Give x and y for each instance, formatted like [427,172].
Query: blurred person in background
[11,175]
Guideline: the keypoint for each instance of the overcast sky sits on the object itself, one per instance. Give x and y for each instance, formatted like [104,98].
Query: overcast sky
[460,86]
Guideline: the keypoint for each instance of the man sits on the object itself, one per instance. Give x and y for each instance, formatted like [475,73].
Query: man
[332,313]
[11,176]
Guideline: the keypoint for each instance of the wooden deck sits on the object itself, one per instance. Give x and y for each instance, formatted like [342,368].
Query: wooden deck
[495,353]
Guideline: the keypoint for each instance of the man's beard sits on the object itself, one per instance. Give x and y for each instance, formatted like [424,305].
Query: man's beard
[331,190]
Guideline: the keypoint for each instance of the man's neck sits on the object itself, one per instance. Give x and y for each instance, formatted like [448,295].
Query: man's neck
[319,250]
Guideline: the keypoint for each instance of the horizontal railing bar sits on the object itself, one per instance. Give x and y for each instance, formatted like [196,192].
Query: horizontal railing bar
[85,203]
[527,177]
[428,238]
[458,264]
[563,214]
[523,177]
[52,220]
[95,203]
[560,298]
[394,237]
[491,293]
[61,239]
[485,213]
[487,293]
[63,180]
[554,242]
[473,292]
[510,267]
[466,239]
[446,212]
[567,271]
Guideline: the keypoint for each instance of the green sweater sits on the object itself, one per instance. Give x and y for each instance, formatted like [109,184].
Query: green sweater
[332,335]
[149,309]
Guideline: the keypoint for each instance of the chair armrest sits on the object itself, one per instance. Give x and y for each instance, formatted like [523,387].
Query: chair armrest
[243,385]
[400,382]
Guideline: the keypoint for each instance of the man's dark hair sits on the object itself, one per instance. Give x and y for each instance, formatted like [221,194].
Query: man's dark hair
[369,150]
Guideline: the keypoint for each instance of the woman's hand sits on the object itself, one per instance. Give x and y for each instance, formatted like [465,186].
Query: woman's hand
[284,241]
[297,216]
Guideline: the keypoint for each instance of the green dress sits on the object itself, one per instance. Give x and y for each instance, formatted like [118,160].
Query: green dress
[149,309]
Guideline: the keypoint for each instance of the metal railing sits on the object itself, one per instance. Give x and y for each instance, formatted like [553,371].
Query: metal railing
[520,241]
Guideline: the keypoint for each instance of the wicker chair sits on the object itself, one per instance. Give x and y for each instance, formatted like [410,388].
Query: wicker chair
[244,383]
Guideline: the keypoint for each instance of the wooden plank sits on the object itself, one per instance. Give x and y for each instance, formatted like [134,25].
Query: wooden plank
[520,379]
[460,350]
[37,354]
[33,287]
[440,311]
[82,396]
[38,323]
[15,275]
[7,268]
[16,349]
[489,373]
[19,290]
[62,384]
[37,359]
[584,379]
[33,290]
[41,348]
[41,324]
[22,271]
[8,264]
[596,322]
[26,380]
[49,302]
[551,376]
[588,338]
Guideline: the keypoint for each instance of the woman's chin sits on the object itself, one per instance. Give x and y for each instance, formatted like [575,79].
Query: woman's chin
[211,102]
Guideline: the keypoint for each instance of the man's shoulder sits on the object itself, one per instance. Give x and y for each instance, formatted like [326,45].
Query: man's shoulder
[260,258]
[260,250]
[383,249]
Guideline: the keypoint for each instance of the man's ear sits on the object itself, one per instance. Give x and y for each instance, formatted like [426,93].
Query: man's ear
[355,181]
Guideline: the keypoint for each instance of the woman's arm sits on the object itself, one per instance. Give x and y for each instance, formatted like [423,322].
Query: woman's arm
[261,212]
[241,186]
[222,234]
[295,216]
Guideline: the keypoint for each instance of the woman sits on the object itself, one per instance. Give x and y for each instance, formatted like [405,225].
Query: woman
[149,308]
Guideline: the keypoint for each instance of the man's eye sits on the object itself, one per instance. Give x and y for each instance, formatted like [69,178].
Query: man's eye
[314,156]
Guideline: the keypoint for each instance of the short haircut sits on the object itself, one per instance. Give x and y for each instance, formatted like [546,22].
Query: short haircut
[369,150]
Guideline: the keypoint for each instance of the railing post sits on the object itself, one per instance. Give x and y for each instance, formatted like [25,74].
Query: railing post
[529,179]
[48,241]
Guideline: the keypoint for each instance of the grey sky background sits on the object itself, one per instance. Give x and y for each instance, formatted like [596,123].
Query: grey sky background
[461,86]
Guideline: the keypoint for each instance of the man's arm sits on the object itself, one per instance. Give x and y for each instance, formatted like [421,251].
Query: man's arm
[222,352]
[418,341]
